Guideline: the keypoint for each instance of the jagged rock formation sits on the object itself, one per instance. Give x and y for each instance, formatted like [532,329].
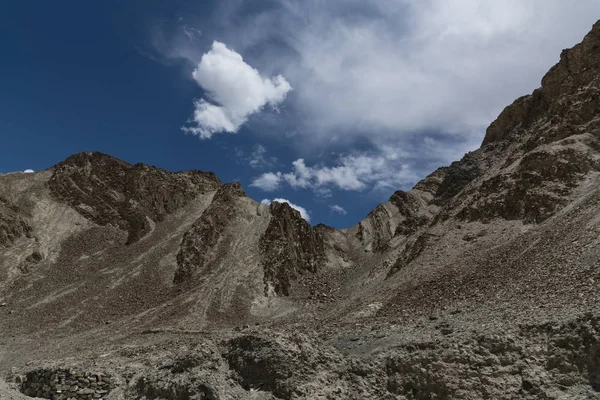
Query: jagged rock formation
[289,247]
[409,205]
[207,231]
[539,147]
[482,281]
[109,191]
[405,213]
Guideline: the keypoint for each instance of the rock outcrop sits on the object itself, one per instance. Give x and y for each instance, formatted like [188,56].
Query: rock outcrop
[401,216]
[13,223]
[289,247]
[536,151]
[568,100]
[65,384]
[110,191]
[207,231]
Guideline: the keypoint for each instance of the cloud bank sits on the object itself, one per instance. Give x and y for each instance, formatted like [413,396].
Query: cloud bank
[385,169]
[235,91]
[423,77]
[389,72]
[296,207]
[394,67]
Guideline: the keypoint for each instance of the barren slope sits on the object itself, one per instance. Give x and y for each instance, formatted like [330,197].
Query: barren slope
[483,281]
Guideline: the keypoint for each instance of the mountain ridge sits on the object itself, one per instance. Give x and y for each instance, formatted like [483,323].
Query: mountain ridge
[482,281]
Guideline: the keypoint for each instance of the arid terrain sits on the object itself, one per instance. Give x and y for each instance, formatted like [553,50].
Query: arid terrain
[126,281]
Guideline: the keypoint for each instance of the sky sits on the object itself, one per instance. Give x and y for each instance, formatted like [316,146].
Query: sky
[328,105]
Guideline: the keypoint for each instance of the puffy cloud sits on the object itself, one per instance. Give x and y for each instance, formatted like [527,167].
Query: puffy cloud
[296,207]
[337,209]
[29,171]
[268,181]
[235,90]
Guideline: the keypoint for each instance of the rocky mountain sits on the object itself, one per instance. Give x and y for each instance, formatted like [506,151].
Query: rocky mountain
[483,281]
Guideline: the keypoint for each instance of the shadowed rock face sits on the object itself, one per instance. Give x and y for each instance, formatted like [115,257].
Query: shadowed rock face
[458,175]
[261,364]
[409,207]
[385,222]
[289,247]
[402,216]
[432,182]
[206,231]
[13,223]
[412,250]
[110,191]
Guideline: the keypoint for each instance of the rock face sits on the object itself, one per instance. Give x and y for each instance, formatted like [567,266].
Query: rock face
[402,215]
[289,246]
[537,150]
[409,206]
[568,99]
[13,223]
[206,232]
[540,146]
[482,281]
[536,362]
[110,191]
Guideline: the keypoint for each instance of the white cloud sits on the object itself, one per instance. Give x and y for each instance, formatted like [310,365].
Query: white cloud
[268,181]
[29,171]
[235,90]
[296,207]
[387,69]
[337,209]
[382,74]
[354,172]
[397,67]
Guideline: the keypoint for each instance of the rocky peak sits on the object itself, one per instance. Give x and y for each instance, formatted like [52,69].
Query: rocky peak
[533,156]
[107,190]
[289,246]
[402,215]
[537,150]
[230,190]
[569,92]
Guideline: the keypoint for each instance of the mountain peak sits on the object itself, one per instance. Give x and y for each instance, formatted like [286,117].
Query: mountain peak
[568,92]
[107,190]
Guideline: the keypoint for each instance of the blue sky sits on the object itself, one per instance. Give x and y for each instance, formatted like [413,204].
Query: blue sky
[331,105]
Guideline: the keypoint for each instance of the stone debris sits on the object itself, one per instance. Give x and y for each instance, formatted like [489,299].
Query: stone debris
[66,384]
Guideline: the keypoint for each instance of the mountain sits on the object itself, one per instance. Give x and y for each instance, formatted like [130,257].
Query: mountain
[483,281]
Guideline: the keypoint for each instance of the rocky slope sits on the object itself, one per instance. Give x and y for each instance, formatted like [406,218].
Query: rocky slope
[483,281]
